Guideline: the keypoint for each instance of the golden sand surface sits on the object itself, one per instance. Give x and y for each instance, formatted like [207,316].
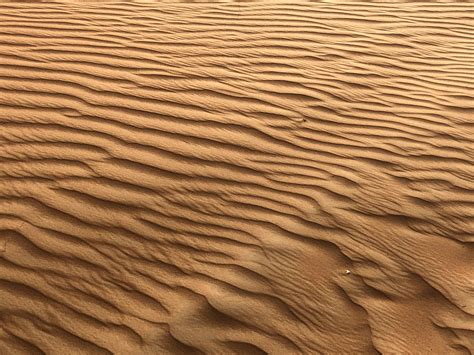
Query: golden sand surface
[236,178]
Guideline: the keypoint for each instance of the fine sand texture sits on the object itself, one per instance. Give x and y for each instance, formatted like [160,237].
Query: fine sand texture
[236,178]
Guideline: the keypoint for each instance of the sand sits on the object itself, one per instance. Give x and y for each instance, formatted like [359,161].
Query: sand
[236,178]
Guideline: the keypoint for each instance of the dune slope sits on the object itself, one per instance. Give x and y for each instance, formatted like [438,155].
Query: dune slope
[239,178]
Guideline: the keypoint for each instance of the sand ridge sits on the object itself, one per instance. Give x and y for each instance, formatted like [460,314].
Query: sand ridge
[239,178]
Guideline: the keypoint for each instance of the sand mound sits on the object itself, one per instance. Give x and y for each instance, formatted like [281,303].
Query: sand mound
[237,178]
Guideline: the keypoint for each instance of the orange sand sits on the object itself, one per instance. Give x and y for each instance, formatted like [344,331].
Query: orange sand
[236,178]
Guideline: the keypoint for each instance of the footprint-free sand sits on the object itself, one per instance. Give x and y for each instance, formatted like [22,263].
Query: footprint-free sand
[236,178]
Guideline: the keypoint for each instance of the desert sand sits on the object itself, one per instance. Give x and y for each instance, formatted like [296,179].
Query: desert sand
[236,178]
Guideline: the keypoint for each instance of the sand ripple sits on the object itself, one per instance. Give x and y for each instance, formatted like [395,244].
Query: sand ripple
[239,178]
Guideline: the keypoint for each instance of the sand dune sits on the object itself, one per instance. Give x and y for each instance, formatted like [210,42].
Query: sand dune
[238,178]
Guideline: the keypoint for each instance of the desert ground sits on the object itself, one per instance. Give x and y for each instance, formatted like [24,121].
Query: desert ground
[236,178]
